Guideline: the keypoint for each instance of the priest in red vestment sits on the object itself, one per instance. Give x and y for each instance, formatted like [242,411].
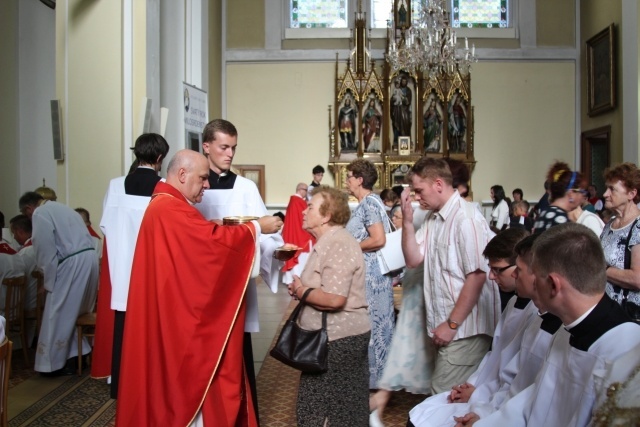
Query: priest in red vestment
[182,351]
[293,233]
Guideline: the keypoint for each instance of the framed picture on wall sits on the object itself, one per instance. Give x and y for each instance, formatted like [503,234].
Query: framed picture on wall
[404,146]
[253,173]
[601,72]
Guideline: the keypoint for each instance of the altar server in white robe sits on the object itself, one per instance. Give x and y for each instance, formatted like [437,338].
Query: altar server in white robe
[233,195]
[124,206]
[65,254]
[120,223]
[570,275]
[518,315]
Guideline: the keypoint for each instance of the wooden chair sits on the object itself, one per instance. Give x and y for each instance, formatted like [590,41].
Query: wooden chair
[14,311]
[86,327]
[40,300]
[5,372]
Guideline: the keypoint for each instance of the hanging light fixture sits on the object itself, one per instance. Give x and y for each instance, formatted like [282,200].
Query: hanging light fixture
[429,44]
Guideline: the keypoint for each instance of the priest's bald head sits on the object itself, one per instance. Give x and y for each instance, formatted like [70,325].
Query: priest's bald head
[570,269]
[188,172]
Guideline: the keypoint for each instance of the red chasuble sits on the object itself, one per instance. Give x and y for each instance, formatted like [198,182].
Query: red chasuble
[292,231]
[182,349]
[103,343]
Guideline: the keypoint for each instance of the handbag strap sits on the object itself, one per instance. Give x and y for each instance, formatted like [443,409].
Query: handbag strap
[627,252]
[296,311]
[391,226]
[627,258]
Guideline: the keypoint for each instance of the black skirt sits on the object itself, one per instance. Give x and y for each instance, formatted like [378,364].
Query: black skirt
[340,395]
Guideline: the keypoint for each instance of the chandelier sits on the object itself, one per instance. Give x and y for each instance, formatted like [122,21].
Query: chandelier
[429,44]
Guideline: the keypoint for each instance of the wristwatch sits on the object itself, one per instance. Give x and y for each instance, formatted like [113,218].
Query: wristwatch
[452,324]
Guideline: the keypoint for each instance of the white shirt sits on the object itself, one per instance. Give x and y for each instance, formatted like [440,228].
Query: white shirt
[500,214]
[452,241]
[591,221]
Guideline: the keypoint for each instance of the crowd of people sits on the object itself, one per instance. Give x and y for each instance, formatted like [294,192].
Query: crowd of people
[516,320]
[525,317]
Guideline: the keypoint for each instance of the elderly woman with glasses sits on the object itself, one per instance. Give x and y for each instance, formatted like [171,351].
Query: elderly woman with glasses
[368,224]
[564,185]
[621,235]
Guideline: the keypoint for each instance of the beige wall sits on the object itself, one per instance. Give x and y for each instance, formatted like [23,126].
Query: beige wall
[9,101]
[595,16]
[555,23]
[245,24]
[524,114]
[524,119]
[281,114]
[89,52]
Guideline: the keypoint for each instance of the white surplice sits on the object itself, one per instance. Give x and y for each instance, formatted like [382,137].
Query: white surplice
[564,392]
[244,200]
[513,322]
[518,374]
[65,254]
[121,218]
[622,406]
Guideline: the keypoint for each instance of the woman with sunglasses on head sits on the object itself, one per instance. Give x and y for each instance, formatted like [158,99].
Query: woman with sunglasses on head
[563,186]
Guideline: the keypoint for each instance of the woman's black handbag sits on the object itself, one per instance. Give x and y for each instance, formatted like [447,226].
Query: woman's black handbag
[302,349]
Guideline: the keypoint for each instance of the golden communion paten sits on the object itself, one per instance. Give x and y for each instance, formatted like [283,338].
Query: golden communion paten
[235,220]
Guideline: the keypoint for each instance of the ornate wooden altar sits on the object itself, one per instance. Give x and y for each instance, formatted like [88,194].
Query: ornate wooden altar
[392,118]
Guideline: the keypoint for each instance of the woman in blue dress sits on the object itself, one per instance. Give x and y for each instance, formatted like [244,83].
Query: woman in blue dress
[368,224]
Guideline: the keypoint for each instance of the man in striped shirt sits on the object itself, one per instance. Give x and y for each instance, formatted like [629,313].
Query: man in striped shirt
[463,304]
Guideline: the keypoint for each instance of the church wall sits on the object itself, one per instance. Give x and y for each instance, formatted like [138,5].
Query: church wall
[595,16]
[245,24]
[281,112]
[555,23]
[37,88]
[524,119]
[9,105]
[89,83]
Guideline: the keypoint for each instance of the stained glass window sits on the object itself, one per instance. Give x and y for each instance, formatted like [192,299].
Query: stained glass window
[480,13]
[336,13]
[319,13]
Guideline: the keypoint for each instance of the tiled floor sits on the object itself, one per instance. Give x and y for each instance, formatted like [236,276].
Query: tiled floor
[272,307]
